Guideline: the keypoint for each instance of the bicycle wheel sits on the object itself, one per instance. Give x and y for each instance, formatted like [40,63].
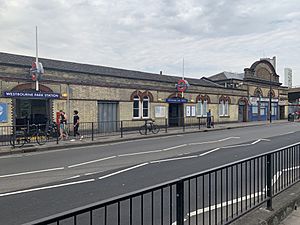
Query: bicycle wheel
[143,130]
[155,129]
[41,138]
[17,140]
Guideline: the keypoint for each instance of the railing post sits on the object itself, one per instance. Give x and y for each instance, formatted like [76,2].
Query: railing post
[166,125]
[269,181]
[146,127]
[180,203]
[121,128]
[183,125]
[92,131]
[199,122]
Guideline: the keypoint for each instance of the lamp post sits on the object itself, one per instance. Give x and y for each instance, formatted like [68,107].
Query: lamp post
[270,99]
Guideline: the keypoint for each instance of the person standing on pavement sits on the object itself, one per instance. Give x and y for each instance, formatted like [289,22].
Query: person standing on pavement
[76,125]
[208,119]
[63,125]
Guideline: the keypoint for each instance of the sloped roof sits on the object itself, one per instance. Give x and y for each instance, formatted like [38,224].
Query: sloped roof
[226,76]
[25,61]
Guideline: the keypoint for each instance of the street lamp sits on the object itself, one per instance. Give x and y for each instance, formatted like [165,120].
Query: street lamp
[270,99]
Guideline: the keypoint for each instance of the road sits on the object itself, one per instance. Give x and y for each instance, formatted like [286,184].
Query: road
[40,184]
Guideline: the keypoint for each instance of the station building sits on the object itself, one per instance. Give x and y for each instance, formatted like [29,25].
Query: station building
[109,94]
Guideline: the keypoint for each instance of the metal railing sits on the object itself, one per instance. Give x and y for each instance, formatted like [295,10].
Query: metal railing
[94,130]
[215,196]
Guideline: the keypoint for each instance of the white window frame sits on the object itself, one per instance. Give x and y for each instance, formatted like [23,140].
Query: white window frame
[136,98]
[145,99]
[202,108]
[224,108]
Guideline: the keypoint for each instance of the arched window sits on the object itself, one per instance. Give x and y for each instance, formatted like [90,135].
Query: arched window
[146,107]
[202,105]
[136,106]
[224,106]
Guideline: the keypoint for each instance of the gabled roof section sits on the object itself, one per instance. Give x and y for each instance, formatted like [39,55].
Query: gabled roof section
[227,76]
[25,61]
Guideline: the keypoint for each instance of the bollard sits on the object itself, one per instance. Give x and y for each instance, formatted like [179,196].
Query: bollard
[121,129]
[92,131]
[166,125]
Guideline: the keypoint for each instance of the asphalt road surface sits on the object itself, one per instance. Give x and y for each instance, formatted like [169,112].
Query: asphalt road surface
[40,184]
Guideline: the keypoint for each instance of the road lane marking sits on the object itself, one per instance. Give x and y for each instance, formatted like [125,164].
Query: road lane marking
[122,171]
[46,187]
[31,172]
[174,159]
[211,142]
[174,147]
[213,150]
[69,178]
[93,161]
[139,153]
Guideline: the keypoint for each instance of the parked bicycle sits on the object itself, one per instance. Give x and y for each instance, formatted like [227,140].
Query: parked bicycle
[148,127]
[25,135]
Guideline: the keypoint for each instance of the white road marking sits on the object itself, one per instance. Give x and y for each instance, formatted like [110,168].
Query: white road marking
[139,153]
[211,142]
[46,187]
[213,150]
[174,147]
[69,178]
[121,171]
[174,159]
[291,132]
[31,172]
[91,173]
[93,161]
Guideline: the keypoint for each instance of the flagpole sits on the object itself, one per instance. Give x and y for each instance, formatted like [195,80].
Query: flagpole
[36,59]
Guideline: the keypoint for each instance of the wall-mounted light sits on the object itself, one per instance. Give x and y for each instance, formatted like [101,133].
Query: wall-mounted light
[64,95]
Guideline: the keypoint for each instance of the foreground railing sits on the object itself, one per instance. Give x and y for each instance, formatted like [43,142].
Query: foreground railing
[93,130]
[216,196]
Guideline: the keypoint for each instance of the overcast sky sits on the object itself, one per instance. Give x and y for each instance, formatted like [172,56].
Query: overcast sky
[151,35]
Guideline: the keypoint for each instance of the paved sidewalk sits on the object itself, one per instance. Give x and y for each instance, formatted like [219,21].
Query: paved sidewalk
[292,219]
[4,150]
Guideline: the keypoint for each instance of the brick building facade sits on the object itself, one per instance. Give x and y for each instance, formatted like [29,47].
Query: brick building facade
[105,94]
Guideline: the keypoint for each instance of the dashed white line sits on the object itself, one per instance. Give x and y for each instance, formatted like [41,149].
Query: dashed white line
[46,187]
[122,171]
[139,153]
[174,159]
[93,161]
[213,150]
[31,172]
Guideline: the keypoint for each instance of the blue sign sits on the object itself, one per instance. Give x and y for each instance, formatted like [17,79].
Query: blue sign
[3,112]
[19,94]
[176,100]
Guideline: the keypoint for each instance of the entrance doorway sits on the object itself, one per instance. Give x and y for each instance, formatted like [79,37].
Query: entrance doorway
[176,114]
[108,116]
[281,112]
[32,111]
[242,111]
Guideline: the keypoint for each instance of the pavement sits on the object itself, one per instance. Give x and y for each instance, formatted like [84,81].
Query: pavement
[292,219]
[87,141]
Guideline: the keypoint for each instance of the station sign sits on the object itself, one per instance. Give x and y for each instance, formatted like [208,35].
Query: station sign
[176,100]
[38,95]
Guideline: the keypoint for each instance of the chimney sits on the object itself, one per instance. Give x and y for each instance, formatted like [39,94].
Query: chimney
[160,72]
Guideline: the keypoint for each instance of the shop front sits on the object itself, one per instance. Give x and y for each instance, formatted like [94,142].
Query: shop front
[259,109]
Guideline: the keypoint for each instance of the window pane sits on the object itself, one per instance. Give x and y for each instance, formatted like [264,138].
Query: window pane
[145,112]
[226,108]
[136,104]
[204,108]
[199,109]
[136,113]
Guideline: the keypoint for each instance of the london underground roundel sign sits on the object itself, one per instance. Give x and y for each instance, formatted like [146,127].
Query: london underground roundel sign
[182,85]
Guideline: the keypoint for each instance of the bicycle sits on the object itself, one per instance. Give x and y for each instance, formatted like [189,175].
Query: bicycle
[149,126]
[25,135]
